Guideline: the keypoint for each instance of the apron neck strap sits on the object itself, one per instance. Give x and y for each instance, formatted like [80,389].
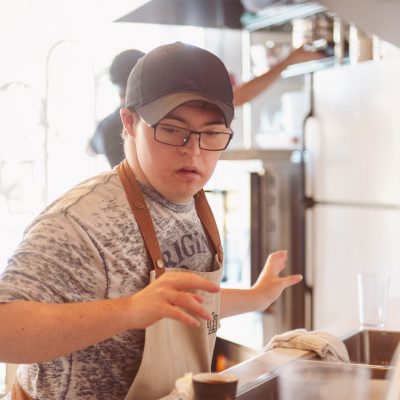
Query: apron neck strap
[145,223]
[208,221]
[142,215]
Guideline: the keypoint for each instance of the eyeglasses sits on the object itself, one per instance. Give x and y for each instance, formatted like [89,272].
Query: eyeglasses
[176,136]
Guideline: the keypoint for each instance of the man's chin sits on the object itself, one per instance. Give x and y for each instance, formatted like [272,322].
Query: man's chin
[185,194]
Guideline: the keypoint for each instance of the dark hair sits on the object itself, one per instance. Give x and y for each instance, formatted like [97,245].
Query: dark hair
[121,67]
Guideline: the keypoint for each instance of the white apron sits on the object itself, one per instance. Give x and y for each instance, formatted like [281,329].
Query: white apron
[172,348]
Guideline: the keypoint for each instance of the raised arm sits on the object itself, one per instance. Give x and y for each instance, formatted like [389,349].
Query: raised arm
[247,91]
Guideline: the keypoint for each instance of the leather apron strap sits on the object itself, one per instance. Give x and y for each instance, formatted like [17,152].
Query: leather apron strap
[208,221]
[143,217]
[17,393]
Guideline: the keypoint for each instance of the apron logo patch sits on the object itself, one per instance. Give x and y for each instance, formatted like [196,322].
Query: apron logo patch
[212,325]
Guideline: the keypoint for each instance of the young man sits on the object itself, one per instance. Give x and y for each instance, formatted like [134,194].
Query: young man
[114,291]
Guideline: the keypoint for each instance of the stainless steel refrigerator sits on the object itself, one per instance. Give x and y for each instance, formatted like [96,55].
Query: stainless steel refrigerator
[352,170]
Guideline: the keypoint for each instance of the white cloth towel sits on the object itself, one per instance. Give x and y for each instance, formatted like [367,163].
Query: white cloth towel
[183,389]
[327,346]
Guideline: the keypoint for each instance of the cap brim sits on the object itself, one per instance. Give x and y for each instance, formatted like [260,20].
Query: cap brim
[156,110]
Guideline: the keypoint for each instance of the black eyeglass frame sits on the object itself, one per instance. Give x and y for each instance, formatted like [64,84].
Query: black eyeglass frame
[191,131]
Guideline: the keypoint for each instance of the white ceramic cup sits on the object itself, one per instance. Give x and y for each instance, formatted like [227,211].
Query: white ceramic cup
[373,293]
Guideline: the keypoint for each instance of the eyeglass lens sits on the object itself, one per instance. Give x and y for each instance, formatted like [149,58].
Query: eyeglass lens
[176,136]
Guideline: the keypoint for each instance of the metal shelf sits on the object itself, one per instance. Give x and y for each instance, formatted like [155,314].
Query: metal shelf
[278,15]
[312,66]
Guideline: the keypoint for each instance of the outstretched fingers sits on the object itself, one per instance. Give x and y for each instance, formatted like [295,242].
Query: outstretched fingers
[276,261]
[292,280]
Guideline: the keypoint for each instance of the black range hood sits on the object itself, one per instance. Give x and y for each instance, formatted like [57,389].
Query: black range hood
[203,13]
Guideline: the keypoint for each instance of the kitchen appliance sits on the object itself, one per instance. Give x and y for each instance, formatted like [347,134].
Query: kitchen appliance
[256,197]
[352,165]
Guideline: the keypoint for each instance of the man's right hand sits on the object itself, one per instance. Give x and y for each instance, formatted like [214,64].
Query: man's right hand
[171,296]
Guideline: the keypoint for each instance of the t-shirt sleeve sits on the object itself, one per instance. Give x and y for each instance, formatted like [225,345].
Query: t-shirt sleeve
[56,262]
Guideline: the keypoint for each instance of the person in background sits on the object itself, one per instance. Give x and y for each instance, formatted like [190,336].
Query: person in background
[247,91]
[114,291]
[107,137]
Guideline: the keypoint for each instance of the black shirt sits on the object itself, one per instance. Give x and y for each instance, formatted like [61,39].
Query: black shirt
[107,138]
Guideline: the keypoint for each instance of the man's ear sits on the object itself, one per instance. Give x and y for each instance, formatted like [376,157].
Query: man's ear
[129,120]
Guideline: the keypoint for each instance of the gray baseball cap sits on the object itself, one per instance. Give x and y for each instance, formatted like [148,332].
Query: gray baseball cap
[173,74]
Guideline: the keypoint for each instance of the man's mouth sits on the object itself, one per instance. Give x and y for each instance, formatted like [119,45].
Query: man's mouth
[189,170]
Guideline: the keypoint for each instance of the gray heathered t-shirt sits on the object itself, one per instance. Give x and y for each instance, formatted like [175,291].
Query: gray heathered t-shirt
[87,246]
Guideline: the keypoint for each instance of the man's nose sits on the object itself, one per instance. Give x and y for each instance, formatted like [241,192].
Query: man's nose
[192,144]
